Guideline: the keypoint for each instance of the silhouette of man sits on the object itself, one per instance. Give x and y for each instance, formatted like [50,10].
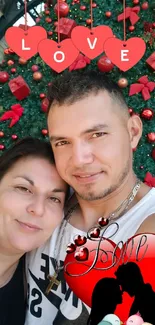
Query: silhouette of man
[106,295]
[131,280]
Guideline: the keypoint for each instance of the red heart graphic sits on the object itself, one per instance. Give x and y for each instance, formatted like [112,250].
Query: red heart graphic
[90,41]
[25,44]
[125,54]
[58,57]
[80,240]
[82,254]
[138,249]
[70,248]
[95,233]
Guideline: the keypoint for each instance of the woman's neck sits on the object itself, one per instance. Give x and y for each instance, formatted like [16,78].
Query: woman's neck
[8,265]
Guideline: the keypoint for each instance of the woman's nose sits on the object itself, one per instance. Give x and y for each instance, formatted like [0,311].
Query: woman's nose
[36,208]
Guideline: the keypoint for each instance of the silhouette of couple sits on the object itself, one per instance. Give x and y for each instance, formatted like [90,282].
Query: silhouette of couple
[108,292]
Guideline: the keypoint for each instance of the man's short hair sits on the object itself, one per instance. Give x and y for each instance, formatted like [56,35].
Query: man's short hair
[74,86]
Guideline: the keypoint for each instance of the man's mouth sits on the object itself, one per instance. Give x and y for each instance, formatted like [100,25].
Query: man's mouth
[86,178]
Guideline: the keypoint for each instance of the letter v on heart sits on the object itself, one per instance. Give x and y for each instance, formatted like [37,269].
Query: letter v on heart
[125,54]
[90,41]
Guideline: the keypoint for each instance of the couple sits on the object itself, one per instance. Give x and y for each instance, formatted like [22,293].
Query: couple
[92,137]
[107,294]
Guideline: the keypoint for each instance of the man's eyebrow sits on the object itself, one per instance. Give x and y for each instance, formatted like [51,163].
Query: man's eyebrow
[94,128]
[55,190]
[26,178]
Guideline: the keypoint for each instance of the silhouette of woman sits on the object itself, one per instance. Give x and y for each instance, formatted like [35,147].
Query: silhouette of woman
[106,295]
[131,280]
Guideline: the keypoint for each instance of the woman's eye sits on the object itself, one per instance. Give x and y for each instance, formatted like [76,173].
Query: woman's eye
[54,199]
[23,189]
[98,134]
[61,143]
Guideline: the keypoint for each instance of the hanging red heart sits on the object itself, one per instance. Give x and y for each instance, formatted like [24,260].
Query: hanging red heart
[125,54]
[25,43]
[134,257]
[58,57]
[90,41]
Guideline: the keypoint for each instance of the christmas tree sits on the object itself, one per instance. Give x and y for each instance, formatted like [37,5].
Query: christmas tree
[23,112]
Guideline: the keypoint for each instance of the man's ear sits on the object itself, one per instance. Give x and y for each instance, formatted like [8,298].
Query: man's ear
[135,129]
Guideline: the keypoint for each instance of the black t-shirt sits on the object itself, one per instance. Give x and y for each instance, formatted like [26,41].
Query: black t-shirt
[12,301]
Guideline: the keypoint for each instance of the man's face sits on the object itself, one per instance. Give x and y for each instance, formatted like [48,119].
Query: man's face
[92,146]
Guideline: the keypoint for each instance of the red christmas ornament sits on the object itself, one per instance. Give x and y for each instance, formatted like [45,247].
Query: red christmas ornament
[94,5]
[123,83]
[63,9]
[22,61]
[131,28]
[34,68]
[49,33]
[104,64]
[47,12]
[6,51]
[38,19]
[153,25]
[83,8]
[1,134]
[37,76]
[151,137]
[44,131]
[44,105]
[13,70]
[153,154]
[42,95]
[4,77]
[147,113]
[130,110]
[56,23]
[145,5]
[14,137]
[135,2]
[10,62]
[108,14]
[2,146]
[48,20]
[88,21]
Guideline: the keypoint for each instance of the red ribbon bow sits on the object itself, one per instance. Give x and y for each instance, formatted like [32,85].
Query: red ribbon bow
[145,86]
[149,180]
[15,113]
[79,63]
[130,13]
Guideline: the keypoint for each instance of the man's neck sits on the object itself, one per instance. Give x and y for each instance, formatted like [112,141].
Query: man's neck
[89,212]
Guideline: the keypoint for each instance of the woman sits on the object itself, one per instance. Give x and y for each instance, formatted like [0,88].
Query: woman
[106,295]
[32,197]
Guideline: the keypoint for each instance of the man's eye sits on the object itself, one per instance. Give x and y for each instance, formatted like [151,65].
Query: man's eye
[98,134]
[61,143]
[23,189]
[55,199]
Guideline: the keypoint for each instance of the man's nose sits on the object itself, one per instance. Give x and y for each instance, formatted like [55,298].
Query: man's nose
[82,154]
[37,207]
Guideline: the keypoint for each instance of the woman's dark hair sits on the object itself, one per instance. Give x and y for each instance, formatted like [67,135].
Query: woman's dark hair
[106,295]
[26,147]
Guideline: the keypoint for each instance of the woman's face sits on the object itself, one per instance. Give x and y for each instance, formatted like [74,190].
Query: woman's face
[32,196]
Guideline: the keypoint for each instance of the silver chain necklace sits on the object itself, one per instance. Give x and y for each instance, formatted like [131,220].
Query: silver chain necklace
[102,221]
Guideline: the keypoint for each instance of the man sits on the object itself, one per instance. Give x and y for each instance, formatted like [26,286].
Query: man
[93,138]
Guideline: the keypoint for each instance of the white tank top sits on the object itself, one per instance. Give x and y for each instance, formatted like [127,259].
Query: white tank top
[130,222]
